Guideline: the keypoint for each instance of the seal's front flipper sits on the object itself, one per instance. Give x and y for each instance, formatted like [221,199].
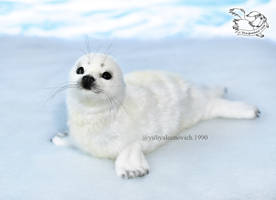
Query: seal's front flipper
[131,162]
[61,139]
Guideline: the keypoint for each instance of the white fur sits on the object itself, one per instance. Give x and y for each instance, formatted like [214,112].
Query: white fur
[111,124]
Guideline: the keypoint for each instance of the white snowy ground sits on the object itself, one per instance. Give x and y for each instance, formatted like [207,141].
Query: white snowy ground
[238,161]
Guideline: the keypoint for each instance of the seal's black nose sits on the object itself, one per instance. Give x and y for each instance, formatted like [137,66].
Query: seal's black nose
[87,82]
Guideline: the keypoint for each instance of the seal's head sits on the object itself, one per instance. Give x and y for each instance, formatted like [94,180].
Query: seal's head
[97,77]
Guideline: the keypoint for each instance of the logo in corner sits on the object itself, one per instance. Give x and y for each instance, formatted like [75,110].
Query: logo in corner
[251,24]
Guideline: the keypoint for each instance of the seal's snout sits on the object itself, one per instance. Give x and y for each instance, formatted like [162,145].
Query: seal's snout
[87,82]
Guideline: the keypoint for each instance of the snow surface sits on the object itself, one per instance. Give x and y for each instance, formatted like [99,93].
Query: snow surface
[238,161]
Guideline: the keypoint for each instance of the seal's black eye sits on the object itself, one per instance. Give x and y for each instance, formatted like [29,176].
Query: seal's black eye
[106,75]
[80,70]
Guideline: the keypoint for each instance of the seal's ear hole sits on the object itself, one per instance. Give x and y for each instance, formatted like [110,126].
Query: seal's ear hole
[80,70]
[107,75]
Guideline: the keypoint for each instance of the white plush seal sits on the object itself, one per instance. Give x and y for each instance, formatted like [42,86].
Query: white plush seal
[109,115]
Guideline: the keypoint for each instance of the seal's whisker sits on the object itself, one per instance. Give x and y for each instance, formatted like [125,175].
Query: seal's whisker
[107,52]
[110,103]
[83,51]
[62,88]
[120,105]
[87,44]
[63,84]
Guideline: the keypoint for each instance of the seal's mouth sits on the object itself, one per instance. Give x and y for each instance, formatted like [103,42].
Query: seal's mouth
[93,88]
[97,90]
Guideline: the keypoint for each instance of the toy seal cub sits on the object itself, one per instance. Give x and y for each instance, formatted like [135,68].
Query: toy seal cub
[108,115]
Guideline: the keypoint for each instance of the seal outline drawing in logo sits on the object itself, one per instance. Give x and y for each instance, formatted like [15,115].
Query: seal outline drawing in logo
[251,24]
